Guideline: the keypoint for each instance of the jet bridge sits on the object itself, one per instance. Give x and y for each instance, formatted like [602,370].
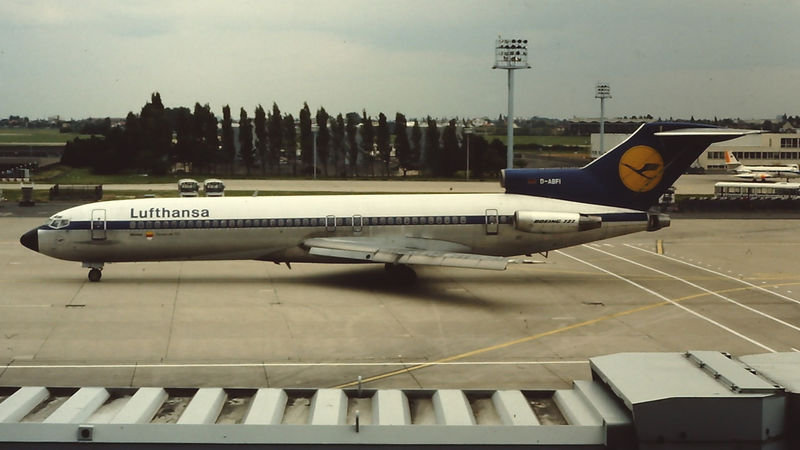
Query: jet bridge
[696,399]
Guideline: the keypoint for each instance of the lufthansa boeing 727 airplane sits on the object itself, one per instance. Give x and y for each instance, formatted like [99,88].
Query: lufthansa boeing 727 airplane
[541,210]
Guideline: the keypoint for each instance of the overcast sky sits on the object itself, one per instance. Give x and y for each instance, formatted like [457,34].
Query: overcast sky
[725,58]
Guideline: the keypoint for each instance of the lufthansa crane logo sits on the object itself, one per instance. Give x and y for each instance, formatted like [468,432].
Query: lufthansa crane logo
[641,168]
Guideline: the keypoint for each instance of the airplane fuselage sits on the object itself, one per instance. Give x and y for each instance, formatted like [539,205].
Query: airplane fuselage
[275,228]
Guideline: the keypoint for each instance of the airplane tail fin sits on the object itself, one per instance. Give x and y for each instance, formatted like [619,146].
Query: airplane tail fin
[731,160]
[632,175]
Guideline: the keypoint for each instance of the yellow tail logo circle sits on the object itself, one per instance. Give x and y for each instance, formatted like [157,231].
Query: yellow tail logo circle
[641,168]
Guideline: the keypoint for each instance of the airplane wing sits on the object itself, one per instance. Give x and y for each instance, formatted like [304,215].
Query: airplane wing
[420,251]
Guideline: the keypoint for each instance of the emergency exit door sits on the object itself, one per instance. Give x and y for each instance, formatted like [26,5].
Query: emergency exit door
[98,224]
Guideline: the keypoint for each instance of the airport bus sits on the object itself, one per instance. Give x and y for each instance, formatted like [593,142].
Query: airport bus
[188,187]
[214,187]
[726,189]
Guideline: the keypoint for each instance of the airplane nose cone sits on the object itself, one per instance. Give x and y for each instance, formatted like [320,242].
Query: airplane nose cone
[31,240]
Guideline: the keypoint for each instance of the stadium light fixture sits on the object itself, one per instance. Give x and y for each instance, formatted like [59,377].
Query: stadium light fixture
[510,55]
[602,91]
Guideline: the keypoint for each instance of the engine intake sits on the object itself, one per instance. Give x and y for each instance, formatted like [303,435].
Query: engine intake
[555,222]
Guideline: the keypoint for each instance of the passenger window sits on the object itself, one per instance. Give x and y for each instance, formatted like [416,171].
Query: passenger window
[132,225]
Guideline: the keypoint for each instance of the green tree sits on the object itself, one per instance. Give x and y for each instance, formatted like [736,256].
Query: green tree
[448,163]
[184,135]
[290,138]
[228,147]
[351,130]
[306,139]
[338,144]
[401,144]
[275,125]
[156,137]
[323,139]
[416,145]
[368,140]
[206,139]
[432,152]
[246,141]
[383,142]
[262,144]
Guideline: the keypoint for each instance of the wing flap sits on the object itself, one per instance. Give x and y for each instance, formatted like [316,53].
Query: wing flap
[367,251]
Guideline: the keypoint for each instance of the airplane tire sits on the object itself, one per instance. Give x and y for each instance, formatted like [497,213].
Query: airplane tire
[95,275]
[401,273]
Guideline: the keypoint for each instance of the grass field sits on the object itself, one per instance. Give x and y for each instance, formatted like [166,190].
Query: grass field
[35,135]
[542,140]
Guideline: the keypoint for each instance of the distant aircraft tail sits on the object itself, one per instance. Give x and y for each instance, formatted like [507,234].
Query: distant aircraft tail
[731,160]
[632,175]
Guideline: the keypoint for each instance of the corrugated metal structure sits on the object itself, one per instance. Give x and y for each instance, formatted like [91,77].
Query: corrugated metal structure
[697,399]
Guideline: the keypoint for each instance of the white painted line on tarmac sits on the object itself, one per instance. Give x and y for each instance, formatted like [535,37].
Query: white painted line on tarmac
[26,306]
[672,302]
[278,365]
[708,291]
[720,274]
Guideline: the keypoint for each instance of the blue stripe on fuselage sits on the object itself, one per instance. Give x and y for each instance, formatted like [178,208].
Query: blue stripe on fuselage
[305,222]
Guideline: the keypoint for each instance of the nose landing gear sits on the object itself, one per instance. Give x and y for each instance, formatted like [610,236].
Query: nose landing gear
[95,271]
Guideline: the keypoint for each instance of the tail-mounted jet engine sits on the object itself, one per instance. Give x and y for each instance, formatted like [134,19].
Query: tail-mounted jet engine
[554,222]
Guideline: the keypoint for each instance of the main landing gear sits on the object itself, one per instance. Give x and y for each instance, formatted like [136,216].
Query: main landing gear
[95,271]
[401,273]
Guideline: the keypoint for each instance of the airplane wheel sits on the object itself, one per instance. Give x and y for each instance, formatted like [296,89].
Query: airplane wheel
[94,275]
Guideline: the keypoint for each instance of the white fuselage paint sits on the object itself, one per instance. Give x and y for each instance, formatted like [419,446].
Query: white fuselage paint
[257,227]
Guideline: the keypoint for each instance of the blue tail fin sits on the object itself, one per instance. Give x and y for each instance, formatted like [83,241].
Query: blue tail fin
[632,175]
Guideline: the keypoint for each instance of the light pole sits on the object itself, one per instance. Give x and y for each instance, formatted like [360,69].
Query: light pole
[602,91]
[467,133]
[314,129]
[510,54]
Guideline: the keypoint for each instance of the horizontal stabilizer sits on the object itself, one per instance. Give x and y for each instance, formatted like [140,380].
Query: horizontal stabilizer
[724,133]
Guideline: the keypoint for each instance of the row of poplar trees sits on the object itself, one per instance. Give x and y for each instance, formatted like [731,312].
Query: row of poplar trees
[160,139]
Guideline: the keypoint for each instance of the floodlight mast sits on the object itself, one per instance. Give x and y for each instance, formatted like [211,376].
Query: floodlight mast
[510,54]
[602,91]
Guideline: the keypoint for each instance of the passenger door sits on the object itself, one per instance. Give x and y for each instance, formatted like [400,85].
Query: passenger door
[98,224]
[492,221]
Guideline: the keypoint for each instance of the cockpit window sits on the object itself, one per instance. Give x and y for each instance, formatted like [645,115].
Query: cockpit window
[57,222]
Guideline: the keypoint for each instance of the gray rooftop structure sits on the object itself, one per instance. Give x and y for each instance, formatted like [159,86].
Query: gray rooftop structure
[696,399]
